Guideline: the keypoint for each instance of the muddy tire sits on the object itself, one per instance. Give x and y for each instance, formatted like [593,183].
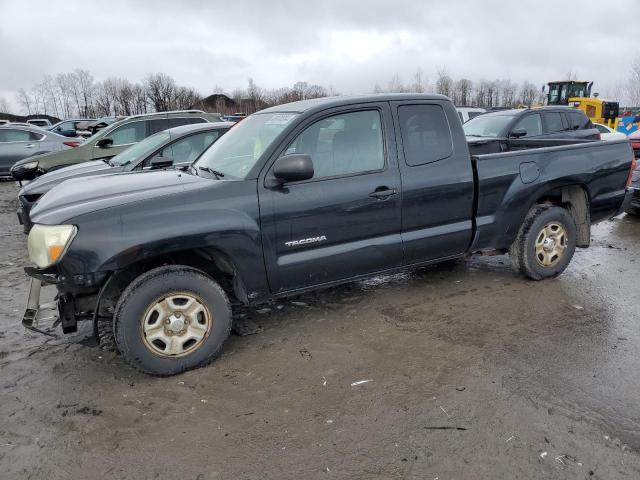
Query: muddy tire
[545,243]
[633,211]
[171,319]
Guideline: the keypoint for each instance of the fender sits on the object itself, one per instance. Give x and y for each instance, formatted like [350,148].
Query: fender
[214,215]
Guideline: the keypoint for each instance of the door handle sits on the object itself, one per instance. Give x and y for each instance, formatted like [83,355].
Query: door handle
[31,145]
[382,193]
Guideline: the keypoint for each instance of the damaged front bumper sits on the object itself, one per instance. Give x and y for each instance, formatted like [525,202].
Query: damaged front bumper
[76,300]
[35,313]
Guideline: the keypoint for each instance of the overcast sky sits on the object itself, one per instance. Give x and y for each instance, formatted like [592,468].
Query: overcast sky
[349,45]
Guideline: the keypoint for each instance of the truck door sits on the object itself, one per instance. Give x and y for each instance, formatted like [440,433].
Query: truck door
[437,181]
[345,221]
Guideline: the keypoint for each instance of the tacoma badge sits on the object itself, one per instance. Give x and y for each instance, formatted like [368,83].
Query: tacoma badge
[304,241]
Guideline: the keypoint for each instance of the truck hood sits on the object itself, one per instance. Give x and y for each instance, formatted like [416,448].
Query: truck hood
[83,195]
[46,182]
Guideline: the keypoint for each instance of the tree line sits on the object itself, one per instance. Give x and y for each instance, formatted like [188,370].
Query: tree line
[77,94]
[465,92]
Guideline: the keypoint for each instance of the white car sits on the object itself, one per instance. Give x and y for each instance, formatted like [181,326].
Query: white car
[39,122]
[607,133]
[467,113]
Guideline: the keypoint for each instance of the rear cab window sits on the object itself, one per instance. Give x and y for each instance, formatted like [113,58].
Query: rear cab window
[426,136]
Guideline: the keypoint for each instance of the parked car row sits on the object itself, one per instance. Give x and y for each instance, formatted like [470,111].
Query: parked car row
[176,147]
[110,141]
[299,197]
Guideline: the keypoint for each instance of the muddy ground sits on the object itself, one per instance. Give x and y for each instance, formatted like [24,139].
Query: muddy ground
[468,371]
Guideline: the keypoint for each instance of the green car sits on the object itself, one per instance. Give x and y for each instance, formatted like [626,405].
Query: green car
[109,141]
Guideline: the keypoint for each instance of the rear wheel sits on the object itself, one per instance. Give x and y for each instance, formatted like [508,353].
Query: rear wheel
[171,319]
[545,243]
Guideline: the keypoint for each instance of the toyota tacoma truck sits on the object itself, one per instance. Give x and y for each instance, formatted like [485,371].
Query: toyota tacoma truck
[304,196]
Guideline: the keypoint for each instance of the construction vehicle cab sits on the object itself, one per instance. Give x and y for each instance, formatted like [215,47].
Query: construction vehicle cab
[578,94]
[561,92]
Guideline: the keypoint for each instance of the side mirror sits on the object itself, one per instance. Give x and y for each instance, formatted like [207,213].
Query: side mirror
[293,168]
[518,132]
[104,143]
[160,162]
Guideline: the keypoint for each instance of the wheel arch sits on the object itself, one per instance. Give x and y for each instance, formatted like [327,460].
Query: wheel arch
[212,261]
[575,198]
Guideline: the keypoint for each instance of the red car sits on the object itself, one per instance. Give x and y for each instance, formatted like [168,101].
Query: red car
[635,142]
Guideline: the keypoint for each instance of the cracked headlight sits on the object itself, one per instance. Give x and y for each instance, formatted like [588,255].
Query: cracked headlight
[48,243]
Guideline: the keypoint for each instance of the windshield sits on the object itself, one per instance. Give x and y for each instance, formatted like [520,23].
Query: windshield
[237,151]
[486,125]
[140,149]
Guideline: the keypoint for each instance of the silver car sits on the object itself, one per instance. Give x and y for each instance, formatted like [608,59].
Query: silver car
[18,142]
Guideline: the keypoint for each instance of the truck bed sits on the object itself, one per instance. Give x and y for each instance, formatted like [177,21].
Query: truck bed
[508,184]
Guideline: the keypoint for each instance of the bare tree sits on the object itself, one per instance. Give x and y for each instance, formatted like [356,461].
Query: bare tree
[634,83]
[185,98]
[161,91]
[255,96]
[83,89]
[25,101]
[507,93]
[571,75]
[395,85]
[482,93]
[418,85]
[139,99]
[462,91]
[444,83]
[528,94]
[105,98]
[4,105]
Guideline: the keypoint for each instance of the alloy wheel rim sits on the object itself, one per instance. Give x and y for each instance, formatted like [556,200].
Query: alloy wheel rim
[551,244]
[176,324]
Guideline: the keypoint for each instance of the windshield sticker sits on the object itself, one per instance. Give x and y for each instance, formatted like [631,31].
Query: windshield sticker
[280,118]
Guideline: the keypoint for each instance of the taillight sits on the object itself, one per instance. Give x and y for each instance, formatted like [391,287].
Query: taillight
[72,144]
[632,169]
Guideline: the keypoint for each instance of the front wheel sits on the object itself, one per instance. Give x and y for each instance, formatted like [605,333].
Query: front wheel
[545,243]
[171,319]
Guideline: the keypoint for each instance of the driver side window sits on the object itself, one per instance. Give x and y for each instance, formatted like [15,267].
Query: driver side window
[343,144]
[532,124]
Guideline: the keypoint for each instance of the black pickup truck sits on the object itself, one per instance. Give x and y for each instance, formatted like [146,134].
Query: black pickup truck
[299,197]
